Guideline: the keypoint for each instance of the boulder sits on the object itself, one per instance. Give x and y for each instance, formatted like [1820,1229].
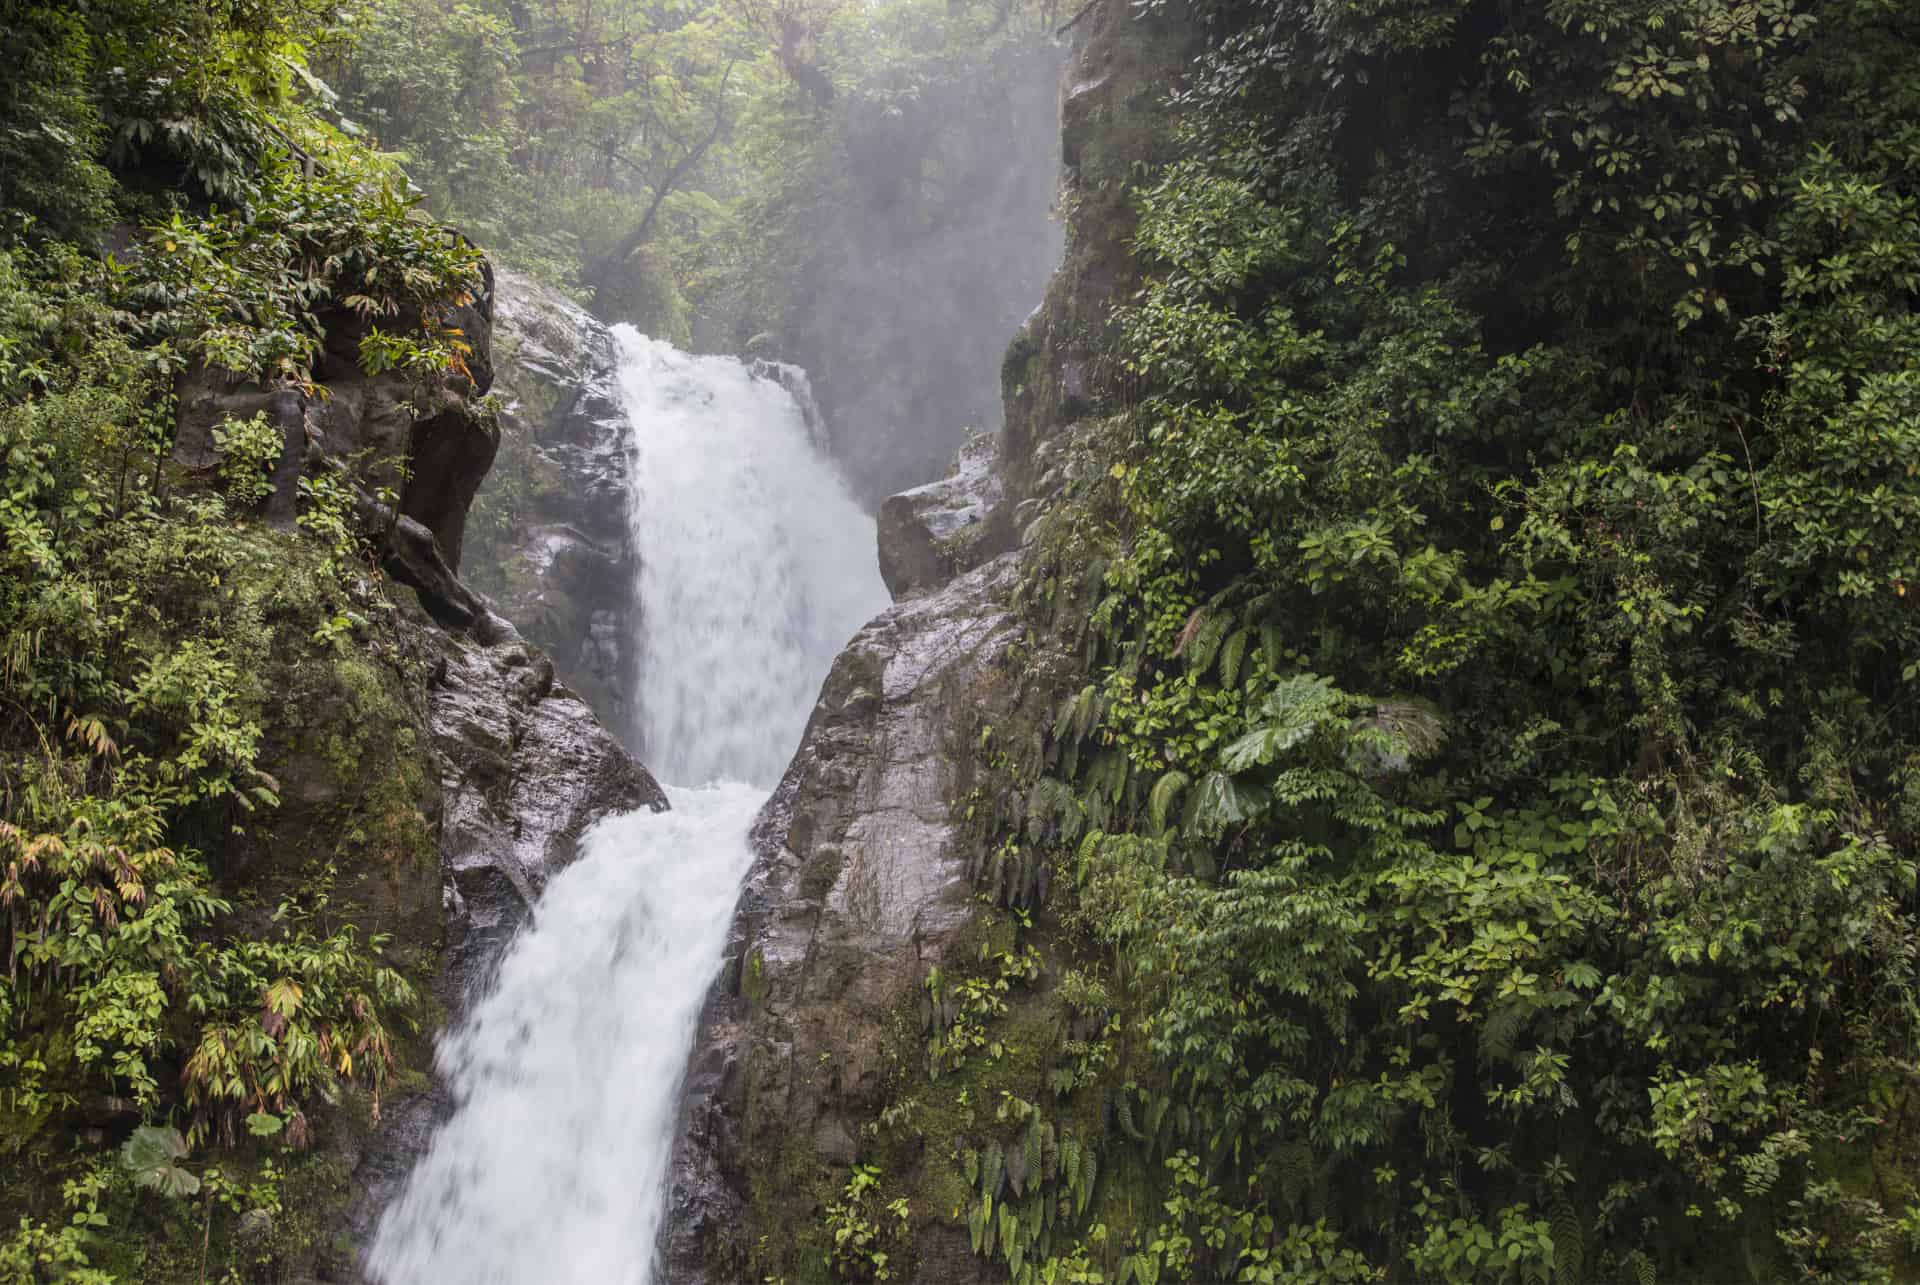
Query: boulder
[933,532]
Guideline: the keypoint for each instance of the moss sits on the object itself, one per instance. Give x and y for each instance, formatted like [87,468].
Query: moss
[753,980]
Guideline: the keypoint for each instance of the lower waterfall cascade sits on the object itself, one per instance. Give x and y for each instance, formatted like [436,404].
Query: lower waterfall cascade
[756,567]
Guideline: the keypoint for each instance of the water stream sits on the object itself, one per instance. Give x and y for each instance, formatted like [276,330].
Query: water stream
[756,566]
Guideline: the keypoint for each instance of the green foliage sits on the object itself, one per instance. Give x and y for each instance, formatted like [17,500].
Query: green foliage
[183,99]
[869,1242]
[41,1250]
[249,448]
[50,130]
[152,1156]
[147,633]
[244,291]
[581,128]
[133,654]
[1485,802]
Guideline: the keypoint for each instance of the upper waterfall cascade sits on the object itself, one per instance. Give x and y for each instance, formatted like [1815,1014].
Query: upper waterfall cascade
[756,566]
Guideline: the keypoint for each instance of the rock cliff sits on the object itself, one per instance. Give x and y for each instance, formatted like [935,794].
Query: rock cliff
[859,884]
[552,544]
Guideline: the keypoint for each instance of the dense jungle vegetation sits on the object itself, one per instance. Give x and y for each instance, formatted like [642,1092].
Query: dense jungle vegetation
[1472,834]
[194,1018]
[1470,831]
[183,1011]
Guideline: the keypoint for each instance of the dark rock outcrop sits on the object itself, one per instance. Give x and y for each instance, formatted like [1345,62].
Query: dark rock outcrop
[552,544]
[525,769]
[858,886]
[426,443]
[1056,371]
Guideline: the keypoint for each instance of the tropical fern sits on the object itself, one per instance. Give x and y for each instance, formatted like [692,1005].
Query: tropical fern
[1233,652]
[1569,1244]
[1160,799]
[1204,643]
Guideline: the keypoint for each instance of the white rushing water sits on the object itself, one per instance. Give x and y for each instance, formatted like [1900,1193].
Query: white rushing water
[755,565]
[756,568]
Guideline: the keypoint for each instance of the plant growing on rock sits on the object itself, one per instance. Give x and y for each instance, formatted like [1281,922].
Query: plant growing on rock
[868,1241]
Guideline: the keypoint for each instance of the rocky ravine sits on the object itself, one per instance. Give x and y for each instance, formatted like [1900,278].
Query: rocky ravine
[861,881]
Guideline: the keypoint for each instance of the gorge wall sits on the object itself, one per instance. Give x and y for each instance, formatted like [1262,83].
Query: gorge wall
[868,858]
[551,543]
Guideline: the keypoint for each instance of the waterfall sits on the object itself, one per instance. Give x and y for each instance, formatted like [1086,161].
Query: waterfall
[756,566]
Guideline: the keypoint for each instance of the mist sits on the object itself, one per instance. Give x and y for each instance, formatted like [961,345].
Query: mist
[933,242]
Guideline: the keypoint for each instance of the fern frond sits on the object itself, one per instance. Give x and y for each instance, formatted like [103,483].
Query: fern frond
[1569,1244]
[1232,653]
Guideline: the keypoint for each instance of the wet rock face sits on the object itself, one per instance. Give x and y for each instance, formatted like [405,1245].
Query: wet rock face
[1054,373]
[859,885]
[551,540]
[933,532]
[524,770]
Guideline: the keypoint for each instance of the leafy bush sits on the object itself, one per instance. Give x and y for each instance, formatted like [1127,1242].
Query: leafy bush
[249,448]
